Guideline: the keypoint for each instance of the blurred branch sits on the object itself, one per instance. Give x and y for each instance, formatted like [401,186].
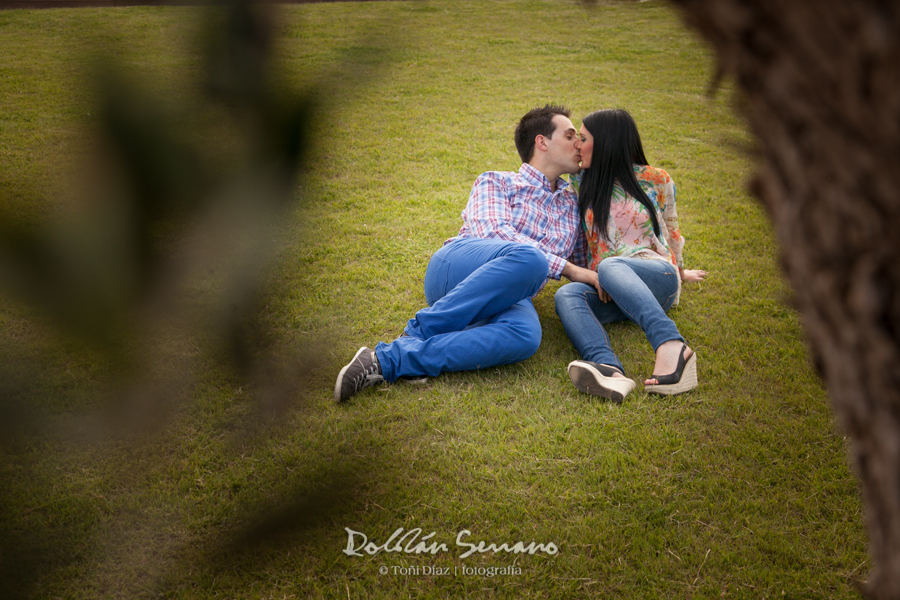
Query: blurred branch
[121,270]
[160,275]
[164,262]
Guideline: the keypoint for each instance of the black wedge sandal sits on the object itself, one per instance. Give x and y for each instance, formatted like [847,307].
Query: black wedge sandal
[684,379]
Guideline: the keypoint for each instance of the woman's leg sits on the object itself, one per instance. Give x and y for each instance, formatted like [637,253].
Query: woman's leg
[645,290]
[583,314]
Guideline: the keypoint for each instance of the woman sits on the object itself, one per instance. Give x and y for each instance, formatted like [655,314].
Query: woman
[628,212]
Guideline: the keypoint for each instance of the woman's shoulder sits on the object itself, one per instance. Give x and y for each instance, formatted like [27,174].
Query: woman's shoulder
[575,180]
[652,174]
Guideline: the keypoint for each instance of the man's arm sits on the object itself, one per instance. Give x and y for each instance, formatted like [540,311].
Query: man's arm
[488,216]
[578,274]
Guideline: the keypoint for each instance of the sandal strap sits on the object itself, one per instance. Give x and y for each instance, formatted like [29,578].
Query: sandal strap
[676,376]
[608,370]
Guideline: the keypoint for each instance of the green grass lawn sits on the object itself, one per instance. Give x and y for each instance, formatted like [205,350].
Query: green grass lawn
[740,489]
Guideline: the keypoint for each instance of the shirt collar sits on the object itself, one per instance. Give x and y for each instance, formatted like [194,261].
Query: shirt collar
[537,178]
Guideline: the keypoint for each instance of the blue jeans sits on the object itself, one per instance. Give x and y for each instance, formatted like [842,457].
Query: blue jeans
[641,291]
[480,312]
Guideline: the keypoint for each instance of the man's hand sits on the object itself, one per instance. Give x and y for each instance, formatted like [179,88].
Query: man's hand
[582,275]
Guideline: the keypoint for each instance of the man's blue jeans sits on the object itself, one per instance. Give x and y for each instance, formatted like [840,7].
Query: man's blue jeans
[480,312]
[641,290]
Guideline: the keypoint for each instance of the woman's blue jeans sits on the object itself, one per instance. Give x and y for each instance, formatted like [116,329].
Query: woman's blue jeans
[642,291]
[480,312]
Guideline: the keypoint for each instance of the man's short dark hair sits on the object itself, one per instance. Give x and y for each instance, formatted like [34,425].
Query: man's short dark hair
[537,121]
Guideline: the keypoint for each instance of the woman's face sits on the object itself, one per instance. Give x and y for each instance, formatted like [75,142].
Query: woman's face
[587,147]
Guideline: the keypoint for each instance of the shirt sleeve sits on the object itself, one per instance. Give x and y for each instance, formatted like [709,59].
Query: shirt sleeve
[580,255]
[488,215]
[666,200]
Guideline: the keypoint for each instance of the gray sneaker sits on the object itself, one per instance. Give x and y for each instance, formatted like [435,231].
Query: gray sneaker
[358,374]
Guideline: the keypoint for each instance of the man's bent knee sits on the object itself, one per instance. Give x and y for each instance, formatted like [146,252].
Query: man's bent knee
[533,261]
[530,341]
[522,332]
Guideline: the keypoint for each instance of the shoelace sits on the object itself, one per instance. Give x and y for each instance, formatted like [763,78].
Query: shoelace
[372,379]
[367,377]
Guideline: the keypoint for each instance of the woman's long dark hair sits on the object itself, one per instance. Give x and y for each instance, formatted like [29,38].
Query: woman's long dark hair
[617,148]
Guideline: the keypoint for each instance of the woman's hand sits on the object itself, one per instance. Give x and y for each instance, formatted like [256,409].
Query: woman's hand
[582,275]
[692,275]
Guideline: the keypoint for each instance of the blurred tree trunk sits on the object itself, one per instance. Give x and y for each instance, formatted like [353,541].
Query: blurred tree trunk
[821,80]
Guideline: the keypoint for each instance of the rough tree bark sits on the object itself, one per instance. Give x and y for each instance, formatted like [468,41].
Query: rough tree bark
[822,84]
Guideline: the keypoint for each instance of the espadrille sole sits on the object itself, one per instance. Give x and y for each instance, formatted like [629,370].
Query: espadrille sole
[591,381]
[687,383]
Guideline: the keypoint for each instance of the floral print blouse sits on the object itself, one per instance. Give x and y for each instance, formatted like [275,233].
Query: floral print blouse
[630,229]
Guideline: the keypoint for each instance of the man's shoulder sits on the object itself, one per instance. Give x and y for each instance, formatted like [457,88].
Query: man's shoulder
[505,176]
[498,182]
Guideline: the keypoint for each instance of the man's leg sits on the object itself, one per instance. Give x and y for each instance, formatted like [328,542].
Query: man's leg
[474,279]
[467,282]
[508,337]
[471,281]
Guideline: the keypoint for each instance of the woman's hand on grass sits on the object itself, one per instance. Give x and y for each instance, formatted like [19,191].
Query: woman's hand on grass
[692,275]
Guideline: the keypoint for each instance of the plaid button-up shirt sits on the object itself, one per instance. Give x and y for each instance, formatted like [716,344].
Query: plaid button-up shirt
[519,207]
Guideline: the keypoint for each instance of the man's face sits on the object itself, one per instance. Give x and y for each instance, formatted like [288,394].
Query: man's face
[564,146]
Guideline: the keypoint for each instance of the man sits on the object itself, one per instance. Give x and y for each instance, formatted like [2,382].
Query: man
[518,230]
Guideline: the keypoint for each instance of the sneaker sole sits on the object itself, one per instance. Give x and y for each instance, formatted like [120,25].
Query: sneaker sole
[340,377]
[589,380]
